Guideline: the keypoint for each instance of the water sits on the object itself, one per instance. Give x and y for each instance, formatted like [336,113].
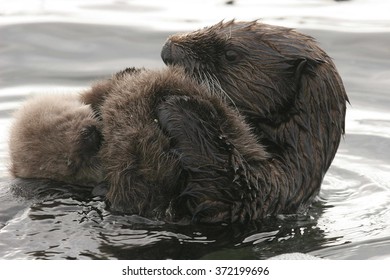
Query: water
[57,46]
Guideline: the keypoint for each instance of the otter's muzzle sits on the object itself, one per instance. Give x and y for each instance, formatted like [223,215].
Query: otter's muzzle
[172,53]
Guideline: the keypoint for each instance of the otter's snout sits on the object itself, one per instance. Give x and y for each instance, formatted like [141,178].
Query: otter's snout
[171,53]
[166,53]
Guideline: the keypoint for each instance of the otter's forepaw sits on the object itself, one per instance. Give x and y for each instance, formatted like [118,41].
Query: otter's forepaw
[193,127]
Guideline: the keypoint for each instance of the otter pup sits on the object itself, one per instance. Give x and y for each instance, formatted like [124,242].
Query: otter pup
[56,137]
[174,150]
[289,92]
[96,95]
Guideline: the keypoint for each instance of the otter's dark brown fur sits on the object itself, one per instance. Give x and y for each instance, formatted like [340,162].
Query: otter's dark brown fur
[289,92]
[56,137]
[174,151]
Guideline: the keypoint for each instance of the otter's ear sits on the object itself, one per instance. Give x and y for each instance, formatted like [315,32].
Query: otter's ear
[306,66]
[90,139]
[96,95]
[128,71]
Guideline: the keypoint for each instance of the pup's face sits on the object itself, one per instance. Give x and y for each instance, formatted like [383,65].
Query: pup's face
[56,137]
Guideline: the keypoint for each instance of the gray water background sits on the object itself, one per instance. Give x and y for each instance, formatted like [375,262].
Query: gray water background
[63,46]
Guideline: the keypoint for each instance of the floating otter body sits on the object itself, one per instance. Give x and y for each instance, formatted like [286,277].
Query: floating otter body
[247,130]
[174,150]
[56,137]
[288,91]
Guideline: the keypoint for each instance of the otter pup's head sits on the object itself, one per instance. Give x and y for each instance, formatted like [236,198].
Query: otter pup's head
[56,137]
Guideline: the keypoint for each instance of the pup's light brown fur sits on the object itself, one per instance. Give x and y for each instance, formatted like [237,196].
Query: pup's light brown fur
[56,137]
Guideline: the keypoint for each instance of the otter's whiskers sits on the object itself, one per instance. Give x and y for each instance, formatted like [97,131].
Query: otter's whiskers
[213,85]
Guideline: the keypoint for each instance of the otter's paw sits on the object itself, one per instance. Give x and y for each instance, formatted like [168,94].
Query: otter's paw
[193,126]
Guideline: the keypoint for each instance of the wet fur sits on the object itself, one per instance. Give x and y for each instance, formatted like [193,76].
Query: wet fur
[289,92]
[174,150]
[239,136]
[248,130]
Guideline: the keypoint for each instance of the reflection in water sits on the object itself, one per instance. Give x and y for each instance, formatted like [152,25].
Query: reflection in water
[46,220]
[66,222]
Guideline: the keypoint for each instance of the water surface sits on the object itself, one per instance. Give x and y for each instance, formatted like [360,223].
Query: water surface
[57,46]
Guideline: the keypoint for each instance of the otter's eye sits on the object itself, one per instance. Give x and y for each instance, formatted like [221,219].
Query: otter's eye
[231,55]
[88,131]
[90,137]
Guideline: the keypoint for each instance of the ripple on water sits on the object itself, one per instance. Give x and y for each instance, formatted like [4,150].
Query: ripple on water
[350,220]
[356,201]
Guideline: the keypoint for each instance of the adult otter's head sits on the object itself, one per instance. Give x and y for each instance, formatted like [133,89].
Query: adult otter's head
[258,66]
[287,88]
[56,137]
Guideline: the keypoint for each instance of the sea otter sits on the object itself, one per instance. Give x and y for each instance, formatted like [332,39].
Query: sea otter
[174,150]
[288,91]
[56,137]
[99,90]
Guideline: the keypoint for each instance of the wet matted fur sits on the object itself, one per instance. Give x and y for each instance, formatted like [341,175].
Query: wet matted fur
[174,150]
[289,92]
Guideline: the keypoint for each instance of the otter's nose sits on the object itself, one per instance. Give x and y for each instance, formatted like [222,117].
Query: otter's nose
[166,53]
[171,53]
